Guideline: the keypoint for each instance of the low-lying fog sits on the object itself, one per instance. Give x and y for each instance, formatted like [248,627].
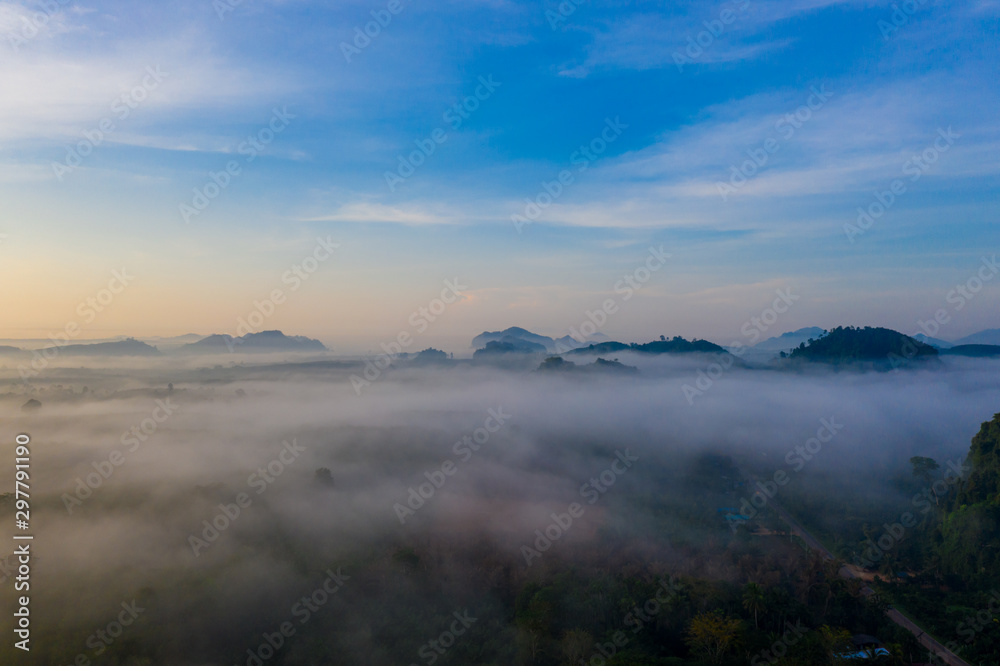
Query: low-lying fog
[532,442]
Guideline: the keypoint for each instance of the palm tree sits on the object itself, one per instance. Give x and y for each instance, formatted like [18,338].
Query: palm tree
[753,600]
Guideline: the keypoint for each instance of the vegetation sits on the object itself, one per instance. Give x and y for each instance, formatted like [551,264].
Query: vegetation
[850,344]
[676,345]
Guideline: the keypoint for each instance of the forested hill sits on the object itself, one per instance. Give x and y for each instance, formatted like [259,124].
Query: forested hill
[846,344]
[970,531]
[983,483]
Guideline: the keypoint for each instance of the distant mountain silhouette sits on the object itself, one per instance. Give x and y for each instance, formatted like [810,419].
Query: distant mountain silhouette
[187,337]
[880,346]
[430,356]
[559,364]
[496,348]
[972,350]
[6,350]
[516,335]
[127,347]
[253,343]
[676,345]
[789,341]
[990,336]
[933,342]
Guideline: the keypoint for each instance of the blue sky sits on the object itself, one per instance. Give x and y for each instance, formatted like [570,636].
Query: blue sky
[890,85]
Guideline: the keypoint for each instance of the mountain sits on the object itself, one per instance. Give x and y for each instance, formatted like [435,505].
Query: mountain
[515,332]
[127,347]
[170,344]
[789,341]
[497,348]
[559,364]
[430,356]
[602,348]
[970,531]
[516,335]
[676,345]
[253,343]
[879,346]
[933,342]
[176,339]
[6,350]
[972,350]
[990,336]
[213,344]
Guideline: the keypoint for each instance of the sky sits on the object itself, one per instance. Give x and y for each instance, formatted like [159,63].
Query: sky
[182,163]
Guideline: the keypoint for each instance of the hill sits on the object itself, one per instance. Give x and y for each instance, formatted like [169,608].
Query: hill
[676,345]
[127,347]
[970,531]
[878,346]
[789,341]
[496,348]
[990,336]
[972,350]
[933,342]
[515,335]
[559,364]
[253,343]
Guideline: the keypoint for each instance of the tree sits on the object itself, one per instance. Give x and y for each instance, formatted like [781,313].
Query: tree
[923,468]
[711,635]
[836,641]
[577,645]
[324,476]
[753,600]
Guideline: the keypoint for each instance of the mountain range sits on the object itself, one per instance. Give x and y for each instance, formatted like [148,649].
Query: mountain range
[263,342]
[525,340]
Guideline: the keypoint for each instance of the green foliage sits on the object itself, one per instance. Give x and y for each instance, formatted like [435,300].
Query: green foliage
[983,483]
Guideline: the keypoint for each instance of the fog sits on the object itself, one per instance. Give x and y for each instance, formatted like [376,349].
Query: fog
[407,566]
